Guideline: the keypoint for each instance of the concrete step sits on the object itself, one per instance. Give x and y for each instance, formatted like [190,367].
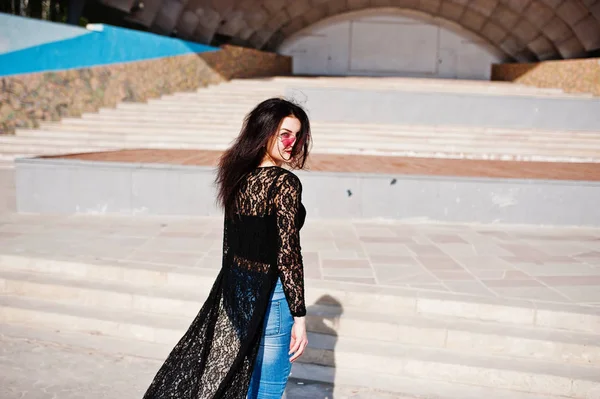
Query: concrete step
[345,354]
[380,141]
[398,388]
[243,94]
[7,156]
[461,87]
[160,127]
[85,128]
[422,151]
[111,116]
[216,108]
[324,80]
[341,144]
[183,284]
[116,117]
[392,84]
[115,126]
[51,147]
[184,300]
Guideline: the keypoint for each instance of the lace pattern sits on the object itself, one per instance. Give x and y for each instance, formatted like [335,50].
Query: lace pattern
[216,355]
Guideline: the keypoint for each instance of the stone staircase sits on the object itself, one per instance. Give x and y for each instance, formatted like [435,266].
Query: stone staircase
[417,343]
[211,118]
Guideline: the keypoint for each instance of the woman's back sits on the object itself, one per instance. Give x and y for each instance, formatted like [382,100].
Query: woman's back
[264,216]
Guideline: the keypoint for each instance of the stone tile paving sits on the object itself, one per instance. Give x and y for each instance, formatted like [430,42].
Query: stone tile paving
[31,369]
[536,263]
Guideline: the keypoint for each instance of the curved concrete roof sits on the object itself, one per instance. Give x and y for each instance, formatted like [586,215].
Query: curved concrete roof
[523,30]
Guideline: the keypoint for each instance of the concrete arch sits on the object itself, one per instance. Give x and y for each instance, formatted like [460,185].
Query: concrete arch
[526,30]
[348,44]
[412,14]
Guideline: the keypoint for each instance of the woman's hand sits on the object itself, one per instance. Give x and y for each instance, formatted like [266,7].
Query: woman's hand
[299,338]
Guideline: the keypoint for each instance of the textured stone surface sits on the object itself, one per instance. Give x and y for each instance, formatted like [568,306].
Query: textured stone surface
[542,47]
[32,369]
[243,19]
[576,76]
[571,48]
[558,264]
[588,32]
[25,100]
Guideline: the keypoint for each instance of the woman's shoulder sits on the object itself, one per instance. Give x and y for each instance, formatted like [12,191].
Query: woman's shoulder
[287,177]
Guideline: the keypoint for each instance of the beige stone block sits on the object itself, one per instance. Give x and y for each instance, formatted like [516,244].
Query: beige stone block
[168,336]
[410,4]
[319,356]
[335,7]
[273,5]
[505,17]
[430,6]
[494,32]
[517,5]
[472,20]
[585,389]
[595,10]
[297,8]
[381,3]
[484,7]
[358,4]
[571,48]
[568,320]
[572,12]
[187,24]
[278,20]
[552,3]
[525,31]
[412,335]
[475,311]
[557,30]
[452,11]
[542,47]
[255,19]
[512,45]
[539,14]
[315,14]
[588,32]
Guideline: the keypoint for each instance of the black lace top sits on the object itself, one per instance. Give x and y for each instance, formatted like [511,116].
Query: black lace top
[215,357]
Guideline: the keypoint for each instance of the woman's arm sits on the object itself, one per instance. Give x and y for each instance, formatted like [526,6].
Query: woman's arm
[289,256]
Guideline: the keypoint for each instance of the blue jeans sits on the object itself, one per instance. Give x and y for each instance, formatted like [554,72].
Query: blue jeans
[273,366]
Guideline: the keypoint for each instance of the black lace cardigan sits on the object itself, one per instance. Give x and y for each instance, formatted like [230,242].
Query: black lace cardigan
[215,357]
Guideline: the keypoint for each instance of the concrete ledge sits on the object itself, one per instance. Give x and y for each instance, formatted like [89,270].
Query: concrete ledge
[449,109]
[66,186]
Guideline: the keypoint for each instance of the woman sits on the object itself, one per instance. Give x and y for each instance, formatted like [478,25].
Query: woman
[252,326]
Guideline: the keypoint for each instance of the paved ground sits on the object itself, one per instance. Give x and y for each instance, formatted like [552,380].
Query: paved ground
[40,370]
[544,264]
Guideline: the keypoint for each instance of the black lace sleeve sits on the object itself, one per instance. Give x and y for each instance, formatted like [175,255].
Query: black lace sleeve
[289,258]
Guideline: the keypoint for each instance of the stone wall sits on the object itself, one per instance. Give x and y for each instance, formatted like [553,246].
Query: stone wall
[573,76]
[26,100]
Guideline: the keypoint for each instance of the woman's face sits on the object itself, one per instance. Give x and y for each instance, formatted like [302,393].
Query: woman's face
[281,144]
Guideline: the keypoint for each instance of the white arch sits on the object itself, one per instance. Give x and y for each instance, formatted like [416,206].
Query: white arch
[390,42]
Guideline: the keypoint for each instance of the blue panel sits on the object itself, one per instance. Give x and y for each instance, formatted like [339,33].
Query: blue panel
[101,46]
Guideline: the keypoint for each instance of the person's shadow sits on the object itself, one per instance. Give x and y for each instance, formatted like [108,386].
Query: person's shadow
[323,318]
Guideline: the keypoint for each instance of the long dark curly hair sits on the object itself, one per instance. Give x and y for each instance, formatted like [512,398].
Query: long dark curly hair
[250,147]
